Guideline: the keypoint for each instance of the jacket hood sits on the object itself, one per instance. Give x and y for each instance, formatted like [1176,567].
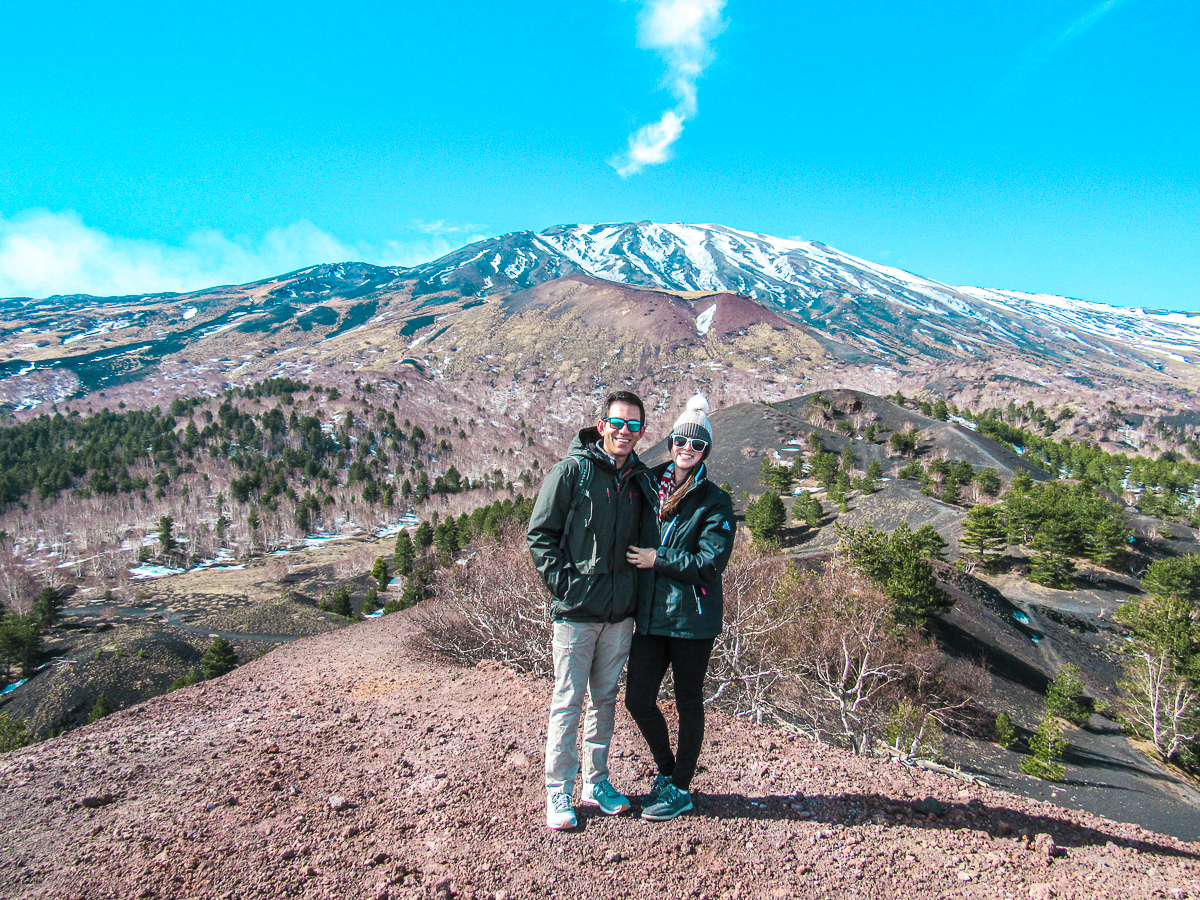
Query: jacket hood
[587,443]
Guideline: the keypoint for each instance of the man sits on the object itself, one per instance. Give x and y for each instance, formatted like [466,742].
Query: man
[589,512]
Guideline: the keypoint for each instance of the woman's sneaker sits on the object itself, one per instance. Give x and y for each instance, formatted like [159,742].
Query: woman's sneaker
[670,803]
[611,801]
[560,814]
[660,782]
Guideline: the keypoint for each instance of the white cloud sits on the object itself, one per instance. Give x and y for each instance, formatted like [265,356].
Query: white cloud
[651,144]
[443,227]
[682,32]
[44,253]
[1041,51]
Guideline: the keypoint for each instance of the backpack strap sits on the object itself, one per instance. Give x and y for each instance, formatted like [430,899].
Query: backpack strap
[582,483]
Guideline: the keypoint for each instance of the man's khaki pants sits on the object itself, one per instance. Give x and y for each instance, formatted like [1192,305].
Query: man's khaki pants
[588,657]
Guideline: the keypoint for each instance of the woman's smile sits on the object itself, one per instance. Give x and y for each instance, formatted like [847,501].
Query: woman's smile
[684,457]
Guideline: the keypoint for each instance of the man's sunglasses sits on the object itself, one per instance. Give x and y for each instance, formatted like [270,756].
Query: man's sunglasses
[695,443]
[634,425]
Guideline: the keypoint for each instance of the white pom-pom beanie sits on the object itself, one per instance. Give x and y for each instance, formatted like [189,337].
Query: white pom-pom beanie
[694,421]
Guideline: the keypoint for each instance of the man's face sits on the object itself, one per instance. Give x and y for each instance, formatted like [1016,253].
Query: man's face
[619,442]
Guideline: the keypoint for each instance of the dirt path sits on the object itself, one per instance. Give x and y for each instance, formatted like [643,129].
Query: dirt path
[345,766]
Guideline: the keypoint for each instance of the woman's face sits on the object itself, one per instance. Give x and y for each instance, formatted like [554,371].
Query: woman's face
[686,457]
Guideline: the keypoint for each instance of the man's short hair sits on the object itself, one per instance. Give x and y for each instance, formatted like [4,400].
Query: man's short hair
[622,397]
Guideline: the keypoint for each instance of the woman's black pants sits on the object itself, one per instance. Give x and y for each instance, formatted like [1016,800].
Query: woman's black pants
[649,657]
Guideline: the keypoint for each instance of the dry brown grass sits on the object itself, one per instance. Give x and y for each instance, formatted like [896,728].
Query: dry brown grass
[493,607]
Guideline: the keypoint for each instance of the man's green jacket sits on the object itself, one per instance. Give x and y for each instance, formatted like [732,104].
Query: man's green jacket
[588,578]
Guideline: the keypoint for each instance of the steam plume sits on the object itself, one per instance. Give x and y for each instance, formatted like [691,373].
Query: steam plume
[682,32]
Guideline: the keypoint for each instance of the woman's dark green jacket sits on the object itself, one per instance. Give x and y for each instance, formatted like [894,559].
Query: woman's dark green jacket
[693,551]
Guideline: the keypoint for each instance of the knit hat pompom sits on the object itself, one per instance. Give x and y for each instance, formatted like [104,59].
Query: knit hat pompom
[694,421]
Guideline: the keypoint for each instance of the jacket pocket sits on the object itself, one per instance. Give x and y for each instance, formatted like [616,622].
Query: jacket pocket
[582,552]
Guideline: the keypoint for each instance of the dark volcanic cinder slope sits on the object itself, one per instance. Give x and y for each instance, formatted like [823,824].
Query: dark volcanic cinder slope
[344,766]
[744,432]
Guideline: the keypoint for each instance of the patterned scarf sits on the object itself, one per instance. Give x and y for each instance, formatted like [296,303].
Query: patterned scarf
[666,487]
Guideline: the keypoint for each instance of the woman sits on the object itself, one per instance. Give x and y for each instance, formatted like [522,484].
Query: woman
[677,629]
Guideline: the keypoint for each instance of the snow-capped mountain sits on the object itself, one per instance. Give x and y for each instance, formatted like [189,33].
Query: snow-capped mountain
[819,306]
[859,308]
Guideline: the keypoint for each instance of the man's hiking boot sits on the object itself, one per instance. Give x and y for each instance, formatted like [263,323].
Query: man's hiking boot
[611,801]
[560,814]
[671,802]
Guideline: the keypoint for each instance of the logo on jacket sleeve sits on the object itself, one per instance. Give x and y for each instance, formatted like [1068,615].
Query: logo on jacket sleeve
[725,525]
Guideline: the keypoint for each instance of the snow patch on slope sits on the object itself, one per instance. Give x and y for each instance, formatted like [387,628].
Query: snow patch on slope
[705,319]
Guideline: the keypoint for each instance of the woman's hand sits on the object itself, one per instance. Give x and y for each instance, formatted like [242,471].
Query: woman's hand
[642,557]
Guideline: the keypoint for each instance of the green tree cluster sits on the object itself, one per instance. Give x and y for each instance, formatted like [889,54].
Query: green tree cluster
[900,563]
[1168,485]
[20,644]
[1059,522]
[14,733]
[765,518]
[1161,688]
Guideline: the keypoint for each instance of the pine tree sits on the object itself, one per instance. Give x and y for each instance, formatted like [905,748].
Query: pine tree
[166,534]
[423,536]
[983,534]
[1065,697]
[48,606]
[847,458]
[1051,564]
[102,708]
[1046,747]
[445,540]
[950,492]
[900,564]
[1004,731]
[765,518]
[192,677]
[1177,576]
[20,643]
[404,554]
[371,600]
[339,602]
[379,572]
[219,658]
[814,512]
[13,733]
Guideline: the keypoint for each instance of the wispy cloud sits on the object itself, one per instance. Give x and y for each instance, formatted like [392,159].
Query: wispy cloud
[441,226]
[44,253]
[682,32]
[1040,52]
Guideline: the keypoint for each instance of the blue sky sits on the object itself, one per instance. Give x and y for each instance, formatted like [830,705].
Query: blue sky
[1046,146]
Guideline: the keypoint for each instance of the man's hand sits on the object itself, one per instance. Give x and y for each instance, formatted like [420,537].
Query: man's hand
[642,557]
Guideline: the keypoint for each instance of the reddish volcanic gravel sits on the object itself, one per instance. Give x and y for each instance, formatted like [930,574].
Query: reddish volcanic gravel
[347,766]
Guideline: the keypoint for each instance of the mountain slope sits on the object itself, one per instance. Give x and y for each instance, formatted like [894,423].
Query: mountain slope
[797,310]
[350,766]
[860,309]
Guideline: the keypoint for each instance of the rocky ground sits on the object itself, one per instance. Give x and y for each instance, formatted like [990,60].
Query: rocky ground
[347,765]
